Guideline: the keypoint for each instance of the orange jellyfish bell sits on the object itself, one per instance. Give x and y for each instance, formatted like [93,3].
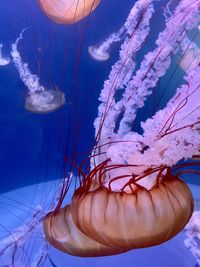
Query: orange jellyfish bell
[136,218]
[61,231]
[67,11]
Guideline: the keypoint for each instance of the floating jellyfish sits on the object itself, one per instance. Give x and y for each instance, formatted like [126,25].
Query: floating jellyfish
[39,99]
[3,60]
[132,196]
[68,11]
[191,54]
[101,52]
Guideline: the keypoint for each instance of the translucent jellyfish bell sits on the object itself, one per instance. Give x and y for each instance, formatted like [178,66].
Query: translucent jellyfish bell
[3,60]
[45,101]
[67,11]
[98,53]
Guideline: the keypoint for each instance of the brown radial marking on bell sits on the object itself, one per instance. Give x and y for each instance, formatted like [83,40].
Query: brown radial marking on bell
[154,210]
[171,191]
[106,205]
[91,198]
[161,211]
[171,230]
[65,215]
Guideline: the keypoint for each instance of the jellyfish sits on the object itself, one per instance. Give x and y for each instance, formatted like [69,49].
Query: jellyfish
[191,54]
[132,196]
[68,11]
[101,52]
[3,60]
[39,99]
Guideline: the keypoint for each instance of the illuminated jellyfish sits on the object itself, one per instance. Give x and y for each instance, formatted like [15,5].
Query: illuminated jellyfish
[132,196]
[67,11]
[101,52]
[191,54]
[3,60]
[39,99]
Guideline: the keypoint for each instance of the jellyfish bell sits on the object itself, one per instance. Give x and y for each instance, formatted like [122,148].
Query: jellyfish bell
[67,11]
[135,218]
[39,99]
[3,60]
[61,231]
[45,101]
[98,53]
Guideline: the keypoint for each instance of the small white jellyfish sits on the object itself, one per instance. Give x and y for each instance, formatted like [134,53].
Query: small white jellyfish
[102,52]
[3,60]
[190,54]
[98,53]
[45,101]
[39,99]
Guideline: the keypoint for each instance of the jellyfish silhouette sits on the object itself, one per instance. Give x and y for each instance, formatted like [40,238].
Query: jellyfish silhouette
[39,100]
[67,11]
[132,196]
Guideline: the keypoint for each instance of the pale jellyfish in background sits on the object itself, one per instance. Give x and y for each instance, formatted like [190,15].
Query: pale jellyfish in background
[101,52]
[190,54]
[3,60]
[39,99]
[67,11]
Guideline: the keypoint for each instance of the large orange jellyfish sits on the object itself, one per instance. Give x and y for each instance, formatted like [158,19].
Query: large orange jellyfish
[132,196]
[67,11]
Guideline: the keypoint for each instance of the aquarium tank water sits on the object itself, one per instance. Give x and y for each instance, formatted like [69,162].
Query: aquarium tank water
[100,133]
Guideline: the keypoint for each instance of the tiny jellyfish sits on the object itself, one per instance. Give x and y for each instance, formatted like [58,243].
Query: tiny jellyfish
[3,60]
[67,11]
[101,52]
[39,99]
[190,54]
